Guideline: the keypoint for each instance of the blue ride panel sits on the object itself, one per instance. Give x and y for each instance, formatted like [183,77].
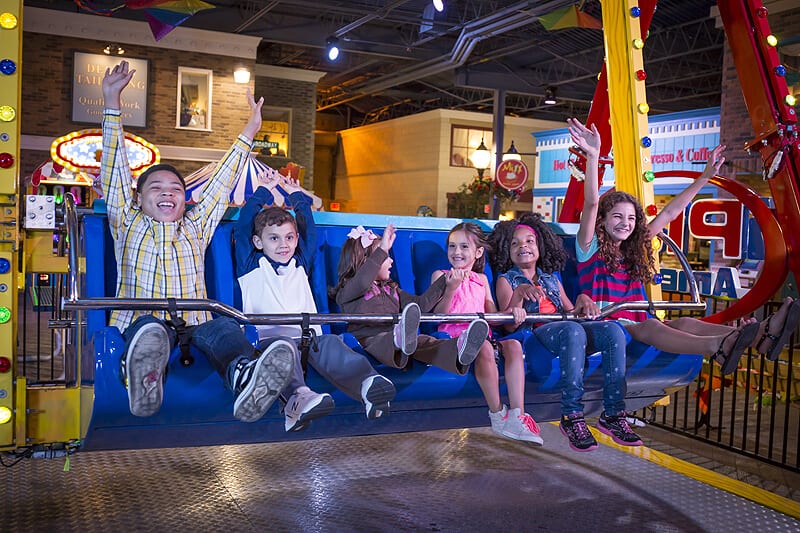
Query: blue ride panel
[197,409]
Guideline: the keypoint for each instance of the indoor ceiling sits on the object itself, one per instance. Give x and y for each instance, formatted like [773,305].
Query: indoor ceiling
[400,57]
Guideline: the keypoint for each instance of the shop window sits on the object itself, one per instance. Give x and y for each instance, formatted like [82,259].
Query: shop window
[273,138]
[194,99]
[464,140]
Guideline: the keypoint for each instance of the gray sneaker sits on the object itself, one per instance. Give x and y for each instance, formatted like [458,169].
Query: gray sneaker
[405,332]
[143,368]
[258,382]
[470,341]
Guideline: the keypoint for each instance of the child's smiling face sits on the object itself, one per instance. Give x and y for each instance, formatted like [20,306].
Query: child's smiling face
[620,221]
[162,196]
[524,249]
[277,242]
[462,250]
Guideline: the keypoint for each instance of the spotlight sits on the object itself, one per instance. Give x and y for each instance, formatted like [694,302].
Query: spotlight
[550,96]
[332,48]
[112,49]
[438,5]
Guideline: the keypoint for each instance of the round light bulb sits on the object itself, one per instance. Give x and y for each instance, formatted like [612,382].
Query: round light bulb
[7,113]
[8,21]
[790,100]
[638,43]
[772,40]
[643,108]
[649,176]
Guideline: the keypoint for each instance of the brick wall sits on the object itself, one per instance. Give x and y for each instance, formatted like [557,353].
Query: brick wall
[47,104]
[301,97]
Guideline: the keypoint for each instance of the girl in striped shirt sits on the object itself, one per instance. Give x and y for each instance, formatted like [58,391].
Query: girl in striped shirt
[615,260]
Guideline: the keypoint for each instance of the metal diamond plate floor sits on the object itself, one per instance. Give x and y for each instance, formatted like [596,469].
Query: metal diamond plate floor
[452,480]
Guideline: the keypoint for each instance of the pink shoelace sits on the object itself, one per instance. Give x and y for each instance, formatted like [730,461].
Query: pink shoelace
[528,421]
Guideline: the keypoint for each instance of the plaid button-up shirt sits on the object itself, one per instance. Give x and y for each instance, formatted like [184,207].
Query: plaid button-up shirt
[161,259]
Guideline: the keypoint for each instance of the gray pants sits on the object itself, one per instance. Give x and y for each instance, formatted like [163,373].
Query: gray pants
[336,363]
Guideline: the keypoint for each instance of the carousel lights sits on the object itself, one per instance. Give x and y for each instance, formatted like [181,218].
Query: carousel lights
[652,210]
[780,70]
[8,67]
[790,100]
[762,12]
[643,108]
[649,176]
[638,43]
[5,315]
[7,113]
[5,266]
[8,21]
[6,160]
[647,142]
[635,11]
[658,278]
[77,151]
[641,75]
[5,415]
[772,40]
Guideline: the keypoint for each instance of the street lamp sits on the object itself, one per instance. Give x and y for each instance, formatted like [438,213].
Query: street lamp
[512,154]
[481,158]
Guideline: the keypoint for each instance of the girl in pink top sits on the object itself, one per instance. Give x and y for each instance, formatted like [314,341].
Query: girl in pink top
[468,291]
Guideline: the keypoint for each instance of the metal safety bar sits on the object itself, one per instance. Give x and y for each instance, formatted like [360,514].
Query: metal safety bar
[73,302]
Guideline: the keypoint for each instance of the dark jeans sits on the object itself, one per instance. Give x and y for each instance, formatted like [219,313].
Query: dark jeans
[221,340]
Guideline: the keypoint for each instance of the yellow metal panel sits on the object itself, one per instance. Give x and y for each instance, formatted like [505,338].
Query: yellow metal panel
[54,414]
[10,102]
[39,256]
[625,93]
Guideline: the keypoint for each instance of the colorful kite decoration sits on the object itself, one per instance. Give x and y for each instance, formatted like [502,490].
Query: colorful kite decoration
[569,17]
[253,174]
[162,15]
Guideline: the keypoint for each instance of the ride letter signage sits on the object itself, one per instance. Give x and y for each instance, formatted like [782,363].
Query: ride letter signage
[87,89]
[511,174]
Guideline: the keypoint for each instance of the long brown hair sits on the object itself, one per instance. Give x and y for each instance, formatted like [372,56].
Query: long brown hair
[636,252]
[480,242]
[353,257]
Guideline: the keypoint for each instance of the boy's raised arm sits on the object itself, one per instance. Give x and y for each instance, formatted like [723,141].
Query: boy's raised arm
[115,171]
[589,141]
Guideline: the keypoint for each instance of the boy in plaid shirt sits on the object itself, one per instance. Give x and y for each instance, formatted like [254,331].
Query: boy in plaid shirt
[160,249]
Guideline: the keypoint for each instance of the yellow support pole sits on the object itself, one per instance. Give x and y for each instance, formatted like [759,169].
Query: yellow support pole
[627,100]
[12,394]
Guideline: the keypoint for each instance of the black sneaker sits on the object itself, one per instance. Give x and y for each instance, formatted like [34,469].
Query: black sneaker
[575,429]
[258,382]
[618,429]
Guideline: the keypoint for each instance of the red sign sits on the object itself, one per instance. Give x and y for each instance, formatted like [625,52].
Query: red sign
[511,174]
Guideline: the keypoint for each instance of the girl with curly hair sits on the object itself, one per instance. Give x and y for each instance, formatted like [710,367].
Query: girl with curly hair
[526,254]
[615,260]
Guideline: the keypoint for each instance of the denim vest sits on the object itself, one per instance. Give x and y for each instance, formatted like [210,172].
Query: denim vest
[548,282]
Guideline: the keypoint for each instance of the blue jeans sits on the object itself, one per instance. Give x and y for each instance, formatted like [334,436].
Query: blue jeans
[570,341]
[221,340]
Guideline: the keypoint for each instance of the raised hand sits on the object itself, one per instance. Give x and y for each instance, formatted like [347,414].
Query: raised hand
[387,240]
[715,161]
[290,185]
[587,139]
[114,81]
[253,125]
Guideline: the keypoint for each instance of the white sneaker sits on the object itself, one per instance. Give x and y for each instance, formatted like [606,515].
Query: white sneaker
[377,392]
[258,382]
[143,368]
[470,341]
[498,420]
[522,426]
[305,406]
[405,332]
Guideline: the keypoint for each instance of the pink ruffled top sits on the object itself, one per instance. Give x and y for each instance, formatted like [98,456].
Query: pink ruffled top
[469,297]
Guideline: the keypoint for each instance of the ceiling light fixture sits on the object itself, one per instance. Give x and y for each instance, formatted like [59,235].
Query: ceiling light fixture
[550,96]
[438,5]
[332,48]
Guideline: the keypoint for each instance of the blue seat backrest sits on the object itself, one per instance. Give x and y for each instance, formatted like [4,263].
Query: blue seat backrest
[569,275]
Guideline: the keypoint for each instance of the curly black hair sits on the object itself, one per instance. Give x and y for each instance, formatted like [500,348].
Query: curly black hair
[552,256]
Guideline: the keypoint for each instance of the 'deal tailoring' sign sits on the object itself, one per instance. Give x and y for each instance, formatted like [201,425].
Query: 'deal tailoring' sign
[87,89]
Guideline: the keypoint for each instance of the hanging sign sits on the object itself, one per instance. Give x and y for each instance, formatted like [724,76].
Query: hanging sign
[511,174]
